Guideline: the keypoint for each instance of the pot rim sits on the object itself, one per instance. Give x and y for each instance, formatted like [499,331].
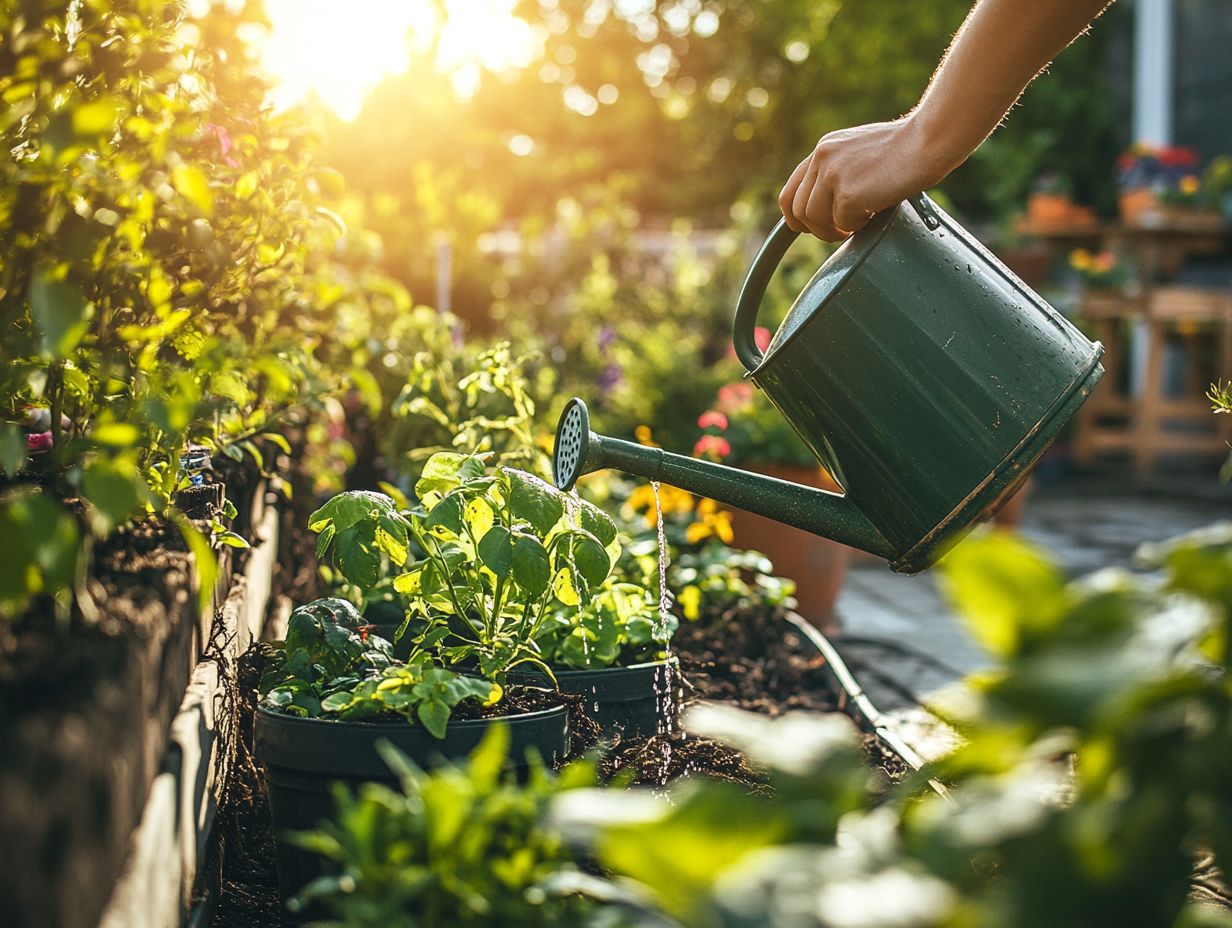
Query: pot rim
[534,715]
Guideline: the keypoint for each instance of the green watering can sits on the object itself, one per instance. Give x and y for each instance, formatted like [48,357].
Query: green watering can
[923,374]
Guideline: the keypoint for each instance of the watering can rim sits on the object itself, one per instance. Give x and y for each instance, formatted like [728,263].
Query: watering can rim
[771,254]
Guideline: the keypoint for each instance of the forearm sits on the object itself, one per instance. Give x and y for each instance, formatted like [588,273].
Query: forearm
[1001,47]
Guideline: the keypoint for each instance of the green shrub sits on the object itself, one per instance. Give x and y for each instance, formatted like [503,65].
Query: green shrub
[1096,765]
[462,845]
[172,272]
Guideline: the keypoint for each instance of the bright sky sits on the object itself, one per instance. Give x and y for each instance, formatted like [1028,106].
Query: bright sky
[341,49]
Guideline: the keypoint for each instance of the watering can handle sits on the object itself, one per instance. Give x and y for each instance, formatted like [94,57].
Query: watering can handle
[766,263]
[764,266]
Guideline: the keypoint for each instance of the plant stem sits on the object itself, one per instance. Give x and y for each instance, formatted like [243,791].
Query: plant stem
[55,388]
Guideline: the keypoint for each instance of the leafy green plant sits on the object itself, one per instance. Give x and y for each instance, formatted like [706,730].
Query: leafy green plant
[506,567]
[457,400]
[620,622]
[460,845]
[324,651]
[331,667]
[1095,766]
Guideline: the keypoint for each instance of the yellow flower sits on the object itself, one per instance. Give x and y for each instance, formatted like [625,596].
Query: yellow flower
[711,521]
[644,437]
[690,600]
[1189,185]
[1080,259]
[671,499]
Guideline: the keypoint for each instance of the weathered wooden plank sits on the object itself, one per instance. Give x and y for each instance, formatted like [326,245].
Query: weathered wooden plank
[168,845]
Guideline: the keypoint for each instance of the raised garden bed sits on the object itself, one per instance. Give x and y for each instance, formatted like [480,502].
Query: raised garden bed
[755,659]
[111,722]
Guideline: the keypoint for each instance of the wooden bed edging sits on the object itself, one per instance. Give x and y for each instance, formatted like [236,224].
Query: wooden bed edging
[168,845]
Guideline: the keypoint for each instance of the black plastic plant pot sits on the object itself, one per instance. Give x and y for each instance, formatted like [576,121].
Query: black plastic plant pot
[634,702]
[303,758]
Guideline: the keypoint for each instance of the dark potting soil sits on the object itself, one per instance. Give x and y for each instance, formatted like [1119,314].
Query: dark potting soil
[752,659]
[755,660]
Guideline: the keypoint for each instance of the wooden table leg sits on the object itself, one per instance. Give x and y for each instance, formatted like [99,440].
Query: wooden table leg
[1147,423]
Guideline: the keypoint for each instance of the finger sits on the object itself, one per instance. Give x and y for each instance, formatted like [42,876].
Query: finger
[799,203]
[849,217]
[790,191]
[819,213]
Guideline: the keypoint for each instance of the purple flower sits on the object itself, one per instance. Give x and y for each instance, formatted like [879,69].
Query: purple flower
[611,378]
[607,338]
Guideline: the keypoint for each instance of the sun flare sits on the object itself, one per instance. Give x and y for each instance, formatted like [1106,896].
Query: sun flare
[338,50]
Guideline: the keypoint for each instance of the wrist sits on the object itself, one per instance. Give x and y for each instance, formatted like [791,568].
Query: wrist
[934,144]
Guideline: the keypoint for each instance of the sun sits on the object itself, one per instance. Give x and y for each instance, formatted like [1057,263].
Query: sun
[338,50]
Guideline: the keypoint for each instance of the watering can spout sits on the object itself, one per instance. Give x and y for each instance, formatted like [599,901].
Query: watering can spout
[580,451]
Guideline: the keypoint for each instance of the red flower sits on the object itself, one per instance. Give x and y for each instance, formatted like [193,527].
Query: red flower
[712,417]
[714,446]
[762,336]
[1178,156]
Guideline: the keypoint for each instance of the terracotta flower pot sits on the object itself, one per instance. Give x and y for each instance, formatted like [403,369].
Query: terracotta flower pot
[1135,206]
[817,565]
[1049,209]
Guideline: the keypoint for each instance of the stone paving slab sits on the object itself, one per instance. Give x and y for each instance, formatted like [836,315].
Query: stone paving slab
[905,645]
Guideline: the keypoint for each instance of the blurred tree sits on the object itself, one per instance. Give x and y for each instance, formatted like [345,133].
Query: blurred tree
[684,107]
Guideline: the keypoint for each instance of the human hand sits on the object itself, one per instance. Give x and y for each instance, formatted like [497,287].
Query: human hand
[853,173]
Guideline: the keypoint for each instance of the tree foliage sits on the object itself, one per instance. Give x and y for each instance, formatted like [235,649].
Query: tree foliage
[171,267]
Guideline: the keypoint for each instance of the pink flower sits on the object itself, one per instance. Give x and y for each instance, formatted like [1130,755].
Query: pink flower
[38,442]
[712,446]
[223,137]
[762,336]
[712,417]
[734,397]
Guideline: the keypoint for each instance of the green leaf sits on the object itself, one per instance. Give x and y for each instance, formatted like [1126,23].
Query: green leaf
[116,434]
[115,491]
[336,702]
[597,522]
[531,500]
[191,183]
[38,548]
[446,471]
[563,588]
[346,509]
[589,557]
[479,517]
[323,541]
[1005,590]
[531,567]
[434,715]
[357,555]
[59,310]
[496,550]
[231,540]
[278,440]
[12,449]
[391,537]
[95,118]
[409,583]
[204,560]
[446,515]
